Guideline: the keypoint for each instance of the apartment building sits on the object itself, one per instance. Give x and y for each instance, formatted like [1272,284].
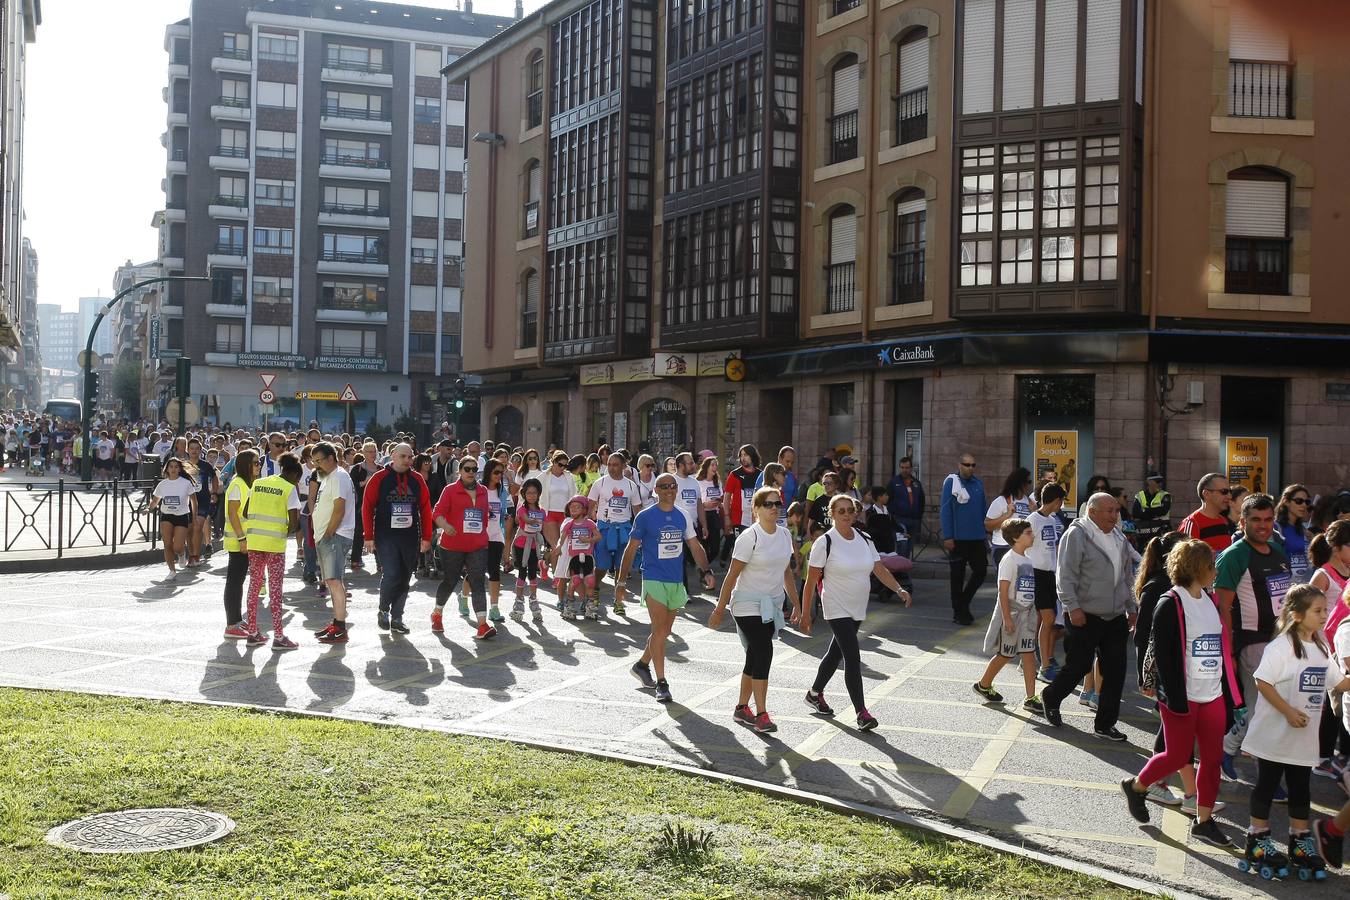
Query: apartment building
[19,382]
[59,332]
[24,379]
[1064,234]
[129,328]
[315,173]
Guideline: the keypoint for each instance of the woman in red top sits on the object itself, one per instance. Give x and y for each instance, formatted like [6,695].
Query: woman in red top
[737,494]
[462,515]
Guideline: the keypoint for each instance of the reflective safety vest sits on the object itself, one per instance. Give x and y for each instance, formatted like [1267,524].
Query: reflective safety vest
[240,492]
[268,519]
[1152,509]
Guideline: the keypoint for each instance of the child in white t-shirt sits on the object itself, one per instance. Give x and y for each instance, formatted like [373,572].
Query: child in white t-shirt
[1283,736]
[1048,528]
[1012,628]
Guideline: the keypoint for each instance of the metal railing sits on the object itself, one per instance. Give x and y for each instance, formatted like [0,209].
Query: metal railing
[236,102]
[229,200]
[276,152]
[907,276]
[535,108]
[178,155]
[230,249]
[529,330]
[351,256]
[351,65]
[354,112]
[348,210]
[1257,266]
[1260,89]
[347,159]
[233,53]
[236,152]
[844,137]
[911,116]
[229,346]
[77,515]
[279,55]
[840,286]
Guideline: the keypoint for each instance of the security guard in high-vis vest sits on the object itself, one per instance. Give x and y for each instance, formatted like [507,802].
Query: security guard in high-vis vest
[1152,510]
[273,513]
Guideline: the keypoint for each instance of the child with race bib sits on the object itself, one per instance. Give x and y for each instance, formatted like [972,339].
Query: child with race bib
[1013,626]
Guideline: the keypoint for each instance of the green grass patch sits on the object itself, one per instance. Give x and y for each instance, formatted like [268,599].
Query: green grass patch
[338,809]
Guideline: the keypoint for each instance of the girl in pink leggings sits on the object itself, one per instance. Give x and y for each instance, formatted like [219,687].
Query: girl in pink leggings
[1188,657]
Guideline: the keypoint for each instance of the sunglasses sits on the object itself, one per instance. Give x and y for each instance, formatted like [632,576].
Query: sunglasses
[468,468]
[772,504]
[665,487]
[1301,501]
[968,465]
[1224,491]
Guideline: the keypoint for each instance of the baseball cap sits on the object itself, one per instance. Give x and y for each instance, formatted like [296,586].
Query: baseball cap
[849,461]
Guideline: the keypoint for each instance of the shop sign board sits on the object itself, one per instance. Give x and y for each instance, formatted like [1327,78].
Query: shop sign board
[1247,462]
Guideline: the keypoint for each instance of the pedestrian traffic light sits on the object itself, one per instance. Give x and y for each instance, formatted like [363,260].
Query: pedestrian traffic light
[459,403]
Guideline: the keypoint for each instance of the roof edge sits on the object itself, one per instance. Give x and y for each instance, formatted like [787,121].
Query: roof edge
[513,36]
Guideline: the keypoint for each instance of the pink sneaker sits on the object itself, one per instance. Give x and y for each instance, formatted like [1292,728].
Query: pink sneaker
[763,724]
[281,642]
[236,632]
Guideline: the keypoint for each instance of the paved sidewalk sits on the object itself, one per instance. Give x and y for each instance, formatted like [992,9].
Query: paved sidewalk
[939,751]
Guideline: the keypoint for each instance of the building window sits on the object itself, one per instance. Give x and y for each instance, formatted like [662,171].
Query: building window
[843,6]
[1015,260]
[529,310]
[1059,197]
[233,142]
[358,248]
[533,188]
[1101,195]
[276,93]
[1059,59]
[911,87]
[843,122]
[271,339]
[1017,201]
[282,47]
[351,200]
[279,144]
[229,337]
[1257,224]
[1099,257]
[786,102]
[426,110]
[233,191]
[908,243]
[273,240]
[227,288]
[230,240]
[1057,259]
[422,342]
[1260,76]
[272,291]
[233,45]
[355,105]
[359,296]
[353,58]
[350,342]
[841,272]
[351,152]
[534,91]
[273,193]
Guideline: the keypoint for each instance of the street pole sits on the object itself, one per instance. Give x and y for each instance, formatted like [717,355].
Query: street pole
[87,456]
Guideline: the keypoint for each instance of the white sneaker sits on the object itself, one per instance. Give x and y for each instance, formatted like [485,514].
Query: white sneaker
[1161,793]
[1188,805]
[173,576]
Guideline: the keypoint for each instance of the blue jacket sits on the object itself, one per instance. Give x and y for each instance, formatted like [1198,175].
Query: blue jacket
[904,511]
[963,521]
[789,486]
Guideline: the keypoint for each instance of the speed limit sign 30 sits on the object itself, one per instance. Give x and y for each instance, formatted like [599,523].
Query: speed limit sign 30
[267,395]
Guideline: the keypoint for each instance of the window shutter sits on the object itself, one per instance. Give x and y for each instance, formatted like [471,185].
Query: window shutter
[1257,208]
[914,62]
[532,292]
[535,176]
[1061,52]
[977,58]
[846,89]
[1019,54]
[1253,38]
[1102,54]
[843,238]
[909,207]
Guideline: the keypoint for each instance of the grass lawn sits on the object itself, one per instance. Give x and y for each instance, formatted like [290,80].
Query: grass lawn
[338,809]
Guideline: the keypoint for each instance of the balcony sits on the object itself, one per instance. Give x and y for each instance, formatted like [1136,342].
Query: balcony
[841,287]
[231,59]
[231,109]
[340,165]
[175,211]
[358,216]
[534,109]
[233,159]
[228,207]
[352,71]
[843,137]
[176,119]
[353,118]
[227,347]
[907,274]
[911,116]
[230,305]
[1256,266]
[370,313]
[229,255]
[177,163]
[178,68]
[1260,89]
[529,330]
[353,262]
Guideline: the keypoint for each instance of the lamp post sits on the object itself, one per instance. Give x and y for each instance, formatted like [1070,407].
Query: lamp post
[86,456]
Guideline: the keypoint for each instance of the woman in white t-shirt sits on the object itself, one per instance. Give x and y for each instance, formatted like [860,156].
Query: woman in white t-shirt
[1293,678]
[710,496]
[1014,501]
[754,586]
[560,486]
[176,499]
[843,562]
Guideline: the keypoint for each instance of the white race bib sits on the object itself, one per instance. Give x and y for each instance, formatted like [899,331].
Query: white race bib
[400,515]
[473,521]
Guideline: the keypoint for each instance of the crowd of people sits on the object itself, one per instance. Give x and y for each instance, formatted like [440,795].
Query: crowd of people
[1238,614]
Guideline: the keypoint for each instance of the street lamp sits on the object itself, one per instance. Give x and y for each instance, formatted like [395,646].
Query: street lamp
[87,360]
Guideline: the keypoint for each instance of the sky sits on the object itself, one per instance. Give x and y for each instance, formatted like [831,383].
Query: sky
[92,158]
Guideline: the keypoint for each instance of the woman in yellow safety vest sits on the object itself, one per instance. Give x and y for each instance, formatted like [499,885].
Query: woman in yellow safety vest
[273,513]
[236,544]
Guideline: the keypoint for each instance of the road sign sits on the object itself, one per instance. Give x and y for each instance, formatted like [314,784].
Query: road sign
[85,358]
[267,378]
[349,395]
[267,396]
[317,395]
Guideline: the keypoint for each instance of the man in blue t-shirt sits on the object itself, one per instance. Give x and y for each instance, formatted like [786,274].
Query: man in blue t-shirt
[663,531]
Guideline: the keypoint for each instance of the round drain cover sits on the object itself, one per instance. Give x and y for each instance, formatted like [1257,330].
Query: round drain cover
[141,831]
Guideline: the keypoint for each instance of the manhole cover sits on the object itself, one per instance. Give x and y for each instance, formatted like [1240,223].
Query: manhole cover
[141,831]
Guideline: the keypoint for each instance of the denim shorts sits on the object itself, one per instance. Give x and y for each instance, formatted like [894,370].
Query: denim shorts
[333,553]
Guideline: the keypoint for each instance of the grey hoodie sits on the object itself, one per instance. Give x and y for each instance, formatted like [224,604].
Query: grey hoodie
[1086,578]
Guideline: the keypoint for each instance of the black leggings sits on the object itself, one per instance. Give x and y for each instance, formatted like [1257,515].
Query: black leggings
[758,645]
[1331,735]
[843,646]
[235,576]
[494,562]
[1296,778]
[527,569]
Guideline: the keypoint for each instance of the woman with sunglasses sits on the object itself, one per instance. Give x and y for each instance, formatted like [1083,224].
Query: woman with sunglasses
[760,573]
[529,468]
[843,562]
[645,476]
[1291,518]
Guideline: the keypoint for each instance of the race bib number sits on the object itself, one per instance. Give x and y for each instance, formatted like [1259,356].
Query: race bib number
[714,493]
[172,505]
[1026,590]
[690,497]
[400,514]
[1206,655]
[495,509]
[1022,508]
[671,545]
[1277,586]
[618,505]
[473,521]
[1050,536]
[581,541]
[1312,688]
[1298,567]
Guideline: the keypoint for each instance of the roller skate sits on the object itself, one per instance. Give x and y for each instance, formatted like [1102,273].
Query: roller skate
[536,614]
[518,609]
[1264,858]
[592,610]
[1304,859]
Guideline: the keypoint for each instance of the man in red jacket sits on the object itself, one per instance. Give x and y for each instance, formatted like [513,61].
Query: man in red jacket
[462,514]
[396,518]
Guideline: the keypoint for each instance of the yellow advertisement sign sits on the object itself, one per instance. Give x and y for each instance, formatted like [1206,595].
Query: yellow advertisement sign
[1247,460]
[1056,452]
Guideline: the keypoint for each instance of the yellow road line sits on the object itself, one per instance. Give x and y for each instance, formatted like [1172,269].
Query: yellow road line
[986,765]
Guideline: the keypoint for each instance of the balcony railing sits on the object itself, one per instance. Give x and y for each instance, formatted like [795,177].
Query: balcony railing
[535,106]
[175,203]
[907,276]
[230,249]
[226,298]
[354,112]
[840,284]
[279,56]
[844,137]
[427,117]
[529,330]
[235,102]
[344,209]
[276,152]
[352,256]
[229,346]
[911,116]
[357,304]
[532,219]
[233,53]
[355,65]
[1260,89]
[274,249]
[235,152]
[421,256]
[230,200]
[178,155]
[347,159]
[1257,266]
[347,352]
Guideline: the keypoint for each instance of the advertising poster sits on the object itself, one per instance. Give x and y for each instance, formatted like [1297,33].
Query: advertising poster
[1056,454]
[914,448]
[1247,459]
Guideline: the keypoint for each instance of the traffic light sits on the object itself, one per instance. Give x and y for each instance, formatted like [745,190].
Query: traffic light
[91,389]
[459,403]
[457,391]
[183,377]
